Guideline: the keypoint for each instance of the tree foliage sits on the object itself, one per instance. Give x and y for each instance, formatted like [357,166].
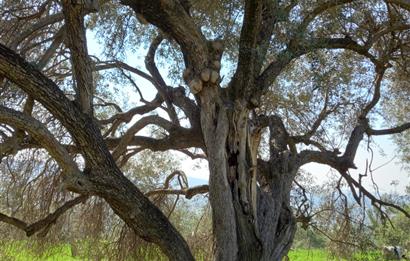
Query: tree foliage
[257,88]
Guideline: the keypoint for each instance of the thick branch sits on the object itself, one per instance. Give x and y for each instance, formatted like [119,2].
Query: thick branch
[42,89]
[301,47]
[180,139]
[41,134]
[170,16]
[13,221]
[193,155]
[271,14]
[325,157]
[80,61]
[243,80]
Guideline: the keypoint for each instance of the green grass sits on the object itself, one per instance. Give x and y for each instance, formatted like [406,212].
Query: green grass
[26,251]
[310,255]
[21,251]
[323,255]
[86,250]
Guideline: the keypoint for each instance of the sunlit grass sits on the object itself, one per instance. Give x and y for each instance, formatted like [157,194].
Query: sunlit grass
[28,251]
[323,255]
[22,251]
[310,255]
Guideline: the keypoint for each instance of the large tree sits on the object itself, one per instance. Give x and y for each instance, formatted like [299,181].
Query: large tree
[302,82]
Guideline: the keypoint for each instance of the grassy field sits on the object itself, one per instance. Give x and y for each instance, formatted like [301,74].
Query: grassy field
[23,251]
[323,255]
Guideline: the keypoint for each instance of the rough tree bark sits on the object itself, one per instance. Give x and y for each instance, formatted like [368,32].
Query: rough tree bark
[250,222]
[250,197]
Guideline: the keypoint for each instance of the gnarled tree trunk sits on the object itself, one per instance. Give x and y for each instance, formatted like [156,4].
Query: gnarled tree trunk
[250,201]
[250,197]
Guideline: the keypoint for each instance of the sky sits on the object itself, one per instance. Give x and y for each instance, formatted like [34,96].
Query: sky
[386,164]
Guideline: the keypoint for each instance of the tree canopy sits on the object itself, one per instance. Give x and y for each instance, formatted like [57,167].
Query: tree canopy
[258,88]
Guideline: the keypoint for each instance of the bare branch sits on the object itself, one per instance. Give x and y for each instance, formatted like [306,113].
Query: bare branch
[45,223]
[342,164]
[160,84]
[306,138]
[13,221]
[52,218]
[376,94]
[378,203]
[394,130]
[183,183]
[333,239]
[187,192]
[118,64]
[128,115]
[193,155]
[139,125]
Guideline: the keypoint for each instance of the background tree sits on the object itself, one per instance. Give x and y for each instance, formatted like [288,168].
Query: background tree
[302,82]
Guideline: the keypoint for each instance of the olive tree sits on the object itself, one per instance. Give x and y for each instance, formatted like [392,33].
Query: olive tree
[303,83]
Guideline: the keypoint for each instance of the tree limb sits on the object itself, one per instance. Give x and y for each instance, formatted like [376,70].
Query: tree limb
[394,130]
[375,201]
[160,84]
[187,192]
[321,8]
[41,134]
[170,16]
[54,18]
[243,79]
[80,60]
[136,127]
[46,222]
[304,46]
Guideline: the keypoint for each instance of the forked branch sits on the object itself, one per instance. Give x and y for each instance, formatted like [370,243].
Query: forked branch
[45,223]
